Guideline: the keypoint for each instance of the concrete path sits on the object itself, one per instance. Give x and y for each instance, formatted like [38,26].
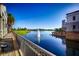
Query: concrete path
[13,50]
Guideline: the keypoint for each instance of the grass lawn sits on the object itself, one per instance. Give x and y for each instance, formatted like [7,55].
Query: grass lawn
[21,32]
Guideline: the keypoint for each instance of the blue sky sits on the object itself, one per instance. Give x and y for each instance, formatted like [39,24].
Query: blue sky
[40,15]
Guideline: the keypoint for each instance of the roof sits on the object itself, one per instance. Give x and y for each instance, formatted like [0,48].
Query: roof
[73,12]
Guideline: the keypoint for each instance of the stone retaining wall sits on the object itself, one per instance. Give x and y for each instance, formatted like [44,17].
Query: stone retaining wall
[72,35]
[61,34]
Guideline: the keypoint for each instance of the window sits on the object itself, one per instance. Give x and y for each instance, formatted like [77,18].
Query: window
[3,19]
[74,18]
[0,15]
[74,26]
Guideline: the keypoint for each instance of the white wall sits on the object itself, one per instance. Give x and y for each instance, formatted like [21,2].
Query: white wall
[3,23]
[70,17]
[71,22]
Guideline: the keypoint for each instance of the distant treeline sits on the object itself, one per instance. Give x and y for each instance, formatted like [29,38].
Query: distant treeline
[19,28]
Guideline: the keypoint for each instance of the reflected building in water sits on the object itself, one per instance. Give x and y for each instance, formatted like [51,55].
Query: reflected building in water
[71,27]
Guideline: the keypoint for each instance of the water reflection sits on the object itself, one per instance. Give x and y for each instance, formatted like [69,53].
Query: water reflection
[62,38]
[38,36]
[48,42]
[57,45]
[72,47]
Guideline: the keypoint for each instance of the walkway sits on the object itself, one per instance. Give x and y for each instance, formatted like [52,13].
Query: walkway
[13,48]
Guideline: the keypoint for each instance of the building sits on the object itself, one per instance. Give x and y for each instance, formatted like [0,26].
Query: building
[73,21]
[63,25]
[71,25]
[3,21]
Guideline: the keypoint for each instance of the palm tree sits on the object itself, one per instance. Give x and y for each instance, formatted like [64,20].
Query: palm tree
[10,21]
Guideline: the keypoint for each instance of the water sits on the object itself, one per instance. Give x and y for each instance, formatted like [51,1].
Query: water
[48,42]
[38,36]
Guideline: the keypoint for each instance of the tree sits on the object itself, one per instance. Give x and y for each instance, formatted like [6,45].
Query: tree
[58,30]
[10,21]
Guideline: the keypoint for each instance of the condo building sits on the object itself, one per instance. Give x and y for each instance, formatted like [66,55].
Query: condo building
[3,21]
[73,21]
[71,25]
[63,25]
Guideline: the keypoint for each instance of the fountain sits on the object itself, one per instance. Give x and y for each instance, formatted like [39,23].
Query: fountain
[38,35]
